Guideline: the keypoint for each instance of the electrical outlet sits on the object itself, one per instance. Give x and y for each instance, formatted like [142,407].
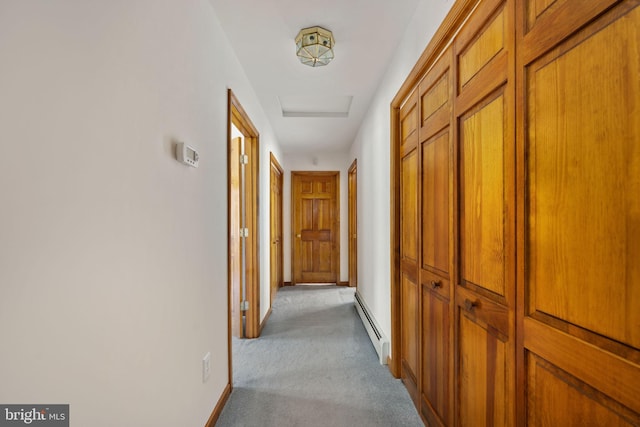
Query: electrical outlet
[206,366]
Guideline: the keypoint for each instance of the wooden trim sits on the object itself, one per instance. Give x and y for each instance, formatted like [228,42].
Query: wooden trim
[439,42]
[352,223]
[274,161]
[253,258]
[394,158]
[520,161]
[211,422]
[343,284]
[279,274]
[264,321]
[238,117]
[584,360]
[287,284]
[229,267]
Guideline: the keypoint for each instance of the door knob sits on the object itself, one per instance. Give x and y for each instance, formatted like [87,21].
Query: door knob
[298,235]
[470,305]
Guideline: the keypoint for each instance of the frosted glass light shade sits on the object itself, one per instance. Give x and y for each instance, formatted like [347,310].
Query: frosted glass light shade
[314,46]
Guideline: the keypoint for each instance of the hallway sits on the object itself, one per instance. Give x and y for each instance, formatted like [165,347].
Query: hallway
[314,366]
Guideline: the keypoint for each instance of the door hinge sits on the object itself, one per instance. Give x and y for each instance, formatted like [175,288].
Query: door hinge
[244,232]
[244,305]
[244,159]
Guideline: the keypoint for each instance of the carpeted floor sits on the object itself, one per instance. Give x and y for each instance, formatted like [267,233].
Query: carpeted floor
[314,366]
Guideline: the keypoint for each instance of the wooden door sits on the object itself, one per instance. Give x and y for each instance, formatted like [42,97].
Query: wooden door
[579,280]
[315,227]
[409,231]
[236,270]
[353,224]
[244,172]
[436,150]
[485,286]
[276,183]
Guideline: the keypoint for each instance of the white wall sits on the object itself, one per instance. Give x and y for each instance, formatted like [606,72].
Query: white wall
[113,256]
[372,149]
[331,161]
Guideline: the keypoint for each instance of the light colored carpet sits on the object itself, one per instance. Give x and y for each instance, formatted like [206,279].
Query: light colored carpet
[314,366]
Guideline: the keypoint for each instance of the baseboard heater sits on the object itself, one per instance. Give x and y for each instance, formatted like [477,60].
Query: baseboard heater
[379,341]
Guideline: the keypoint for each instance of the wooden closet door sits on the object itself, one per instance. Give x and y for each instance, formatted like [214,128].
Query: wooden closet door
[580,281]
[485,288]
[409,291]
[436,106]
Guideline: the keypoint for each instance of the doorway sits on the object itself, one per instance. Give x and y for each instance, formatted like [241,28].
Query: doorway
[353,223]
[276,258]
[315,219]
[243,232]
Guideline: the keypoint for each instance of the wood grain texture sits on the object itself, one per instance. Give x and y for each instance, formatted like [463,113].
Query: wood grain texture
[556,398]
[558,22]
[535,8]
[235,241]
[435,97]
[584,182]
[435,203]
[482,375]
[614,376]
[409,339]
[560,98]
[315,227]
[482,196]
[436,366]
[353,223]
[580,212]
[409,121]
[478,54]
[239,118]
[409,207]
[276,236]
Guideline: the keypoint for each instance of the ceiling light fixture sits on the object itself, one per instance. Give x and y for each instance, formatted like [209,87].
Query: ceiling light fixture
[315,46]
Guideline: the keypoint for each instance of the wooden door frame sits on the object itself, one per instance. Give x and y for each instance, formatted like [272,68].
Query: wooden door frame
[238,117]
[336,236]
[273,221]
[353,222]
[438,44]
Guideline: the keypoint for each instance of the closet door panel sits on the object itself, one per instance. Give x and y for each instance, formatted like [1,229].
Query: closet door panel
[436,93]
[435,203]
[483,390]
[409,273]
[436,369]
[409,206]
[558,398]
[410,342]
[482,198]
[486,45]
[580,286]
[409,246]
[548,22]
[584,182]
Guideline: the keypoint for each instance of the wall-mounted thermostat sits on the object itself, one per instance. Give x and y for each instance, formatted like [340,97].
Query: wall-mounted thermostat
[186,154]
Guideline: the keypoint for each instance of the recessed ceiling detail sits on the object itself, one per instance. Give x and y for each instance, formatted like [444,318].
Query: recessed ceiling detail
[315,106]
[262,34]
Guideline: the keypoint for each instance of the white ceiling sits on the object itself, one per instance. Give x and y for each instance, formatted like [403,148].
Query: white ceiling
[314,100]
